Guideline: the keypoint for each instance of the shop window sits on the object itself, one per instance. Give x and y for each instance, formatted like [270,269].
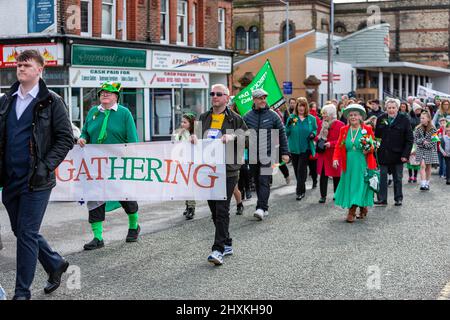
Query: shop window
[221,25]
[86,17]
[254,39]
[108,18]
[182,23]
[164,20]
[162,112]
[241,39]
[133,99]
[339,27]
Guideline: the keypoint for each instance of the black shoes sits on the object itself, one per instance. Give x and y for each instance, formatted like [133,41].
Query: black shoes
[448,182]
[20,298]
[380,203]
[94,244]
[322,200]
[189,213]
[248,195]
[398,203]
[240,209]
[54,279]
[133,234]
[300,197]
[314,184]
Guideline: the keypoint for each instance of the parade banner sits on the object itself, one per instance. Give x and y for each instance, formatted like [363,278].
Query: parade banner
[142,172]
[266,80]
[427,93]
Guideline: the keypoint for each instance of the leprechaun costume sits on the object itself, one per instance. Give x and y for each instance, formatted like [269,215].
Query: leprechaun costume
[114,125]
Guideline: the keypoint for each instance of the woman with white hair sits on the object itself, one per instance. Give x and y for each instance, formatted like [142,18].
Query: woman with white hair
[326,144]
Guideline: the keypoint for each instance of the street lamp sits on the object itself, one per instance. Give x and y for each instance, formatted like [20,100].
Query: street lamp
[330,52]
[288,57]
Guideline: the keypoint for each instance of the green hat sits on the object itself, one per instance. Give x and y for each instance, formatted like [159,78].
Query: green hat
[355,107]
[109,86]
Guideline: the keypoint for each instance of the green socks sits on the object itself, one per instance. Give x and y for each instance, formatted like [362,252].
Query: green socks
[97,229]
[133,221]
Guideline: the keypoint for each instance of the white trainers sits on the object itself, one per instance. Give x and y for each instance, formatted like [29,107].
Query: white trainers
[259,214]
[266,213]
[216,258]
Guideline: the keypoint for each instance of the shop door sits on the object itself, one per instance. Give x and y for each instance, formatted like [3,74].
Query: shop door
[133,99]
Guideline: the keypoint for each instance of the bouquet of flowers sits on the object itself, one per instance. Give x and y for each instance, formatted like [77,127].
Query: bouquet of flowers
[367,142]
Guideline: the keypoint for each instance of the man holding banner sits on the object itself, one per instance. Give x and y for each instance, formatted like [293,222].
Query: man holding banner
[221,123]
[109,123]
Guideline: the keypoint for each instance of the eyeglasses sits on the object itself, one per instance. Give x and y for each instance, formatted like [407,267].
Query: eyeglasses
[217,94]
[106,93]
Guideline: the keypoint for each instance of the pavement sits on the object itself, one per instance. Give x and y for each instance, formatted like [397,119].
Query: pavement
[303,250]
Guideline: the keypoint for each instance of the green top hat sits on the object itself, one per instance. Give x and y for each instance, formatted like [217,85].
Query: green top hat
[109,86]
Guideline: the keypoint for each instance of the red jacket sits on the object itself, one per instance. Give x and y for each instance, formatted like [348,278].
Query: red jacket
[340,152]
[325,159]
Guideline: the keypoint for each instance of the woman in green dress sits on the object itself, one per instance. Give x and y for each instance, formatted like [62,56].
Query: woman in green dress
[354,159]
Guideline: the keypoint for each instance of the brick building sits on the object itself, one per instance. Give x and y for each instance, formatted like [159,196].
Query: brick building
[419,29]
[166,53]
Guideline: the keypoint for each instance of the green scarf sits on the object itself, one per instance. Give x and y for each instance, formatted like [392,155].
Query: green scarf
[103,135]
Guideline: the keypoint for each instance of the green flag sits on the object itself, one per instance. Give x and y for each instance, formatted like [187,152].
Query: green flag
[266,80]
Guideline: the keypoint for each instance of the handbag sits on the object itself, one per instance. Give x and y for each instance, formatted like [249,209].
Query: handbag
[372,177]
[320,147]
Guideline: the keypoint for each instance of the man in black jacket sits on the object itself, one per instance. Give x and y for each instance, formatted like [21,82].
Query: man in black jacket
[263,120]
[35,137]
[221,123]
[394,130]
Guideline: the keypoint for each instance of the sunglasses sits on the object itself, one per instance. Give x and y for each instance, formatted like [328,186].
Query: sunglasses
[217,94]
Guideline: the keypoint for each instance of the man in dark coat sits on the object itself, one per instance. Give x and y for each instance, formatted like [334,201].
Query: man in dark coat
[263,120]
[35,137]
[394,130]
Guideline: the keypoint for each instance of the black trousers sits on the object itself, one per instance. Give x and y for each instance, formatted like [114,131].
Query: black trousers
[98,214]
[262,186]
[324,183]
[397,174]
[300,164]
[244,178]
[284,170]
[312,165]
[26,211]
[220,211]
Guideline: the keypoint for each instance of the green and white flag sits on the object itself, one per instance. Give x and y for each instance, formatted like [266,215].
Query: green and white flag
[266,80]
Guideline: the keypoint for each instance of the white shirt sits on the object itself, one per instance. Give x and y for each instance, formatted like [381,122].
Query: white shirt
[23,102]
[114,107]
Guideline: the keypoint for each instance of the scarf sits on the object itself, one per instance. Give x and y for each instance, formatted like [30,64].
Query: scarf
[325,128]
[102,136]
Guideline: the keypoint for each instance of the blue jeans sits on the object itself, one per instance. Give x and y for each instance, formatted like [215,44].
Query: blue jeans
[26,211]
[442,171]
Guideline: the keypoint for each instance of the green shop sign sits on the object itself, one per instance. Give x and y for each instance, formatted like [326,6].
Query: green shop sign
[108,57]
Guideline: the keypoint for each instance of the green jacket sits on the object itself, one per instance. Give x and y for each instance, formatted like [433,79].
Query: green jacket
[298,137]
[121,127]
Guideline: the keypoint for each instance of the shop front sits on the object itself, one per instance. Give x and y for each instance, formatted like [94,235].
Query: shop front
[180,83]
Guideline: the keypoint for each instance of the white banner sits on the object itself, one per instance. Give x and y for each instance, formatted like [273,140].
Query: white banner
[171,79]
[94,77]
[424,92]
[178,61]
[143,171]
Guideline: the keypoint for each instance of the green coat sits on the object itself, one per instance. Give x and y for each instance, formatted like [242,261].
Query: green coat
[298,134]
